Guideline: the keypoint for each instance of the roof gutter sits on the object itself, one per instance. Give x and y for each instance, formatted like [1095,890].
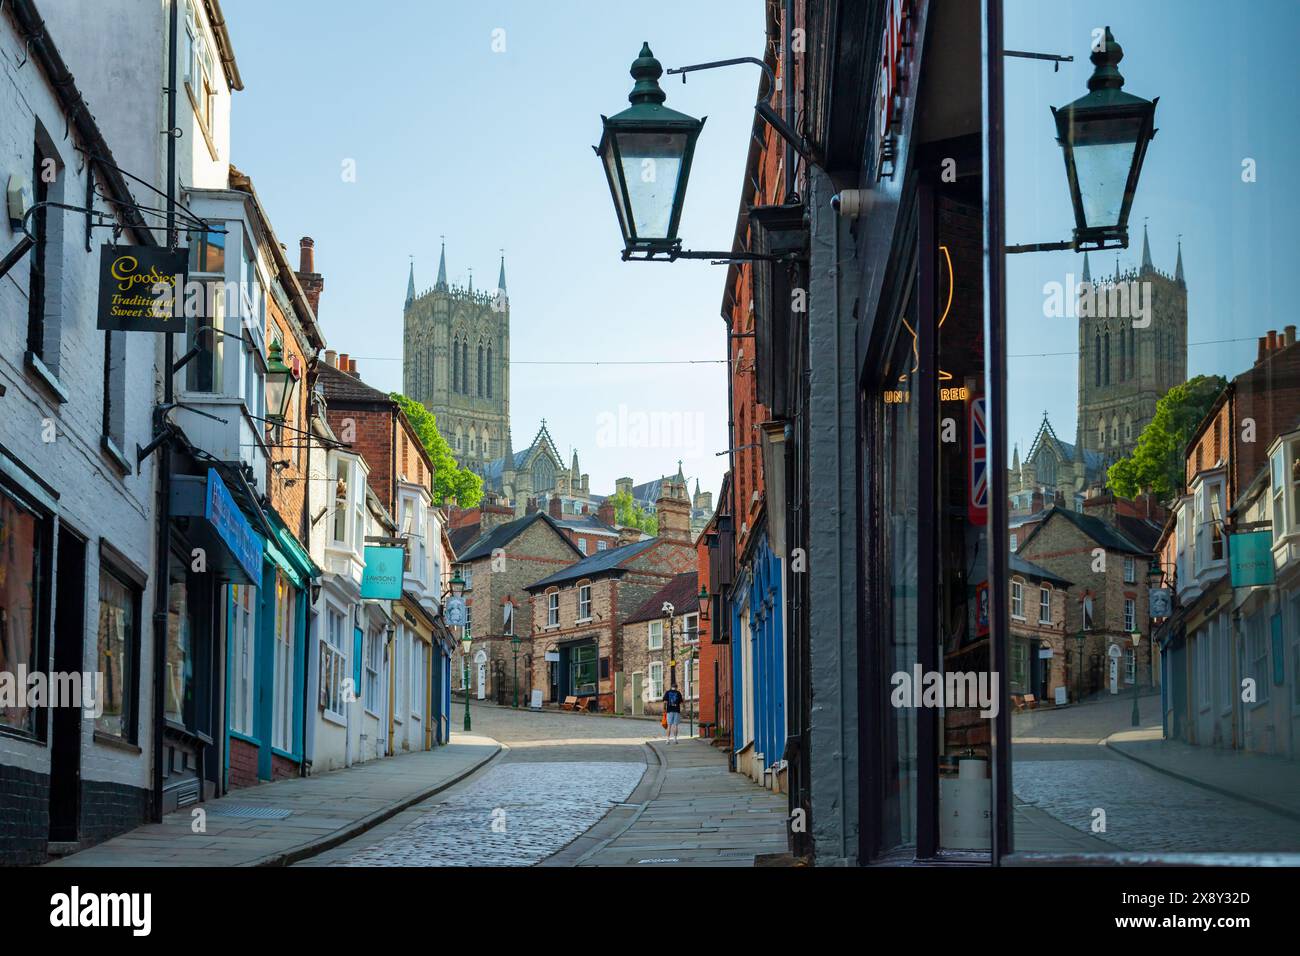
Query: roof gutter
[224,49]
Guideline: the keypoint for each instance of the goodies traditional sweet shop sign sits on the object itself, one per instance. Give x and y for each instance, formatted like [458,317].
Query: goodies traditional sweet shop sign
[138,287]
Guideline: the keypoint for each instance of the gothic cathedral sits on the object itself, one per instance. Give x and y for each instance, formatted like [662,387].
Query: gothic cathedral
[1126,365]
[455,362]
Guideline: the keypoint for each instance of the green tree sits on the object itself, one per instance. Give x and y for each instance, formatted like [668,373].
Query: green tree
[630,514]
[450,481]
[1158,462]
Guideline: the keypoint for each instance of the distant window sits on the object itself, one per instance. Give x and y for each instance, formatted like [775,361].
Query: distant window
[602,545]
[584,602]
[1017,599]
[582,545]
[656,640]
[553,609]
[1044,605]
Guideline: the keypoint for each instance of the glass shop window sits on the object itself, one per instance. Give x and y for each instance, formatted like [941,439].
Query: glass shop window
[23,533]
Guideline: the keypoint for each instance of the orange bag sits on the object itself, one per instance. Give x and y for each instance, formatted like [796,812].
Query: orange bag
[663,721]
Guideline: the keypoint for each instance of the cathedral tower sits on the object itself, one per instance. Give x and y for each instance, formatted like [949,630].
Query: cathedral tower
[456,362]
[1132,350]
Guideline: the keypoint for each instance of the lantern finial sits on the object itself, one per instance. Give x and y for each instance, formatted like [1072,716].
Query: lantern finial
[1106,59]
[646,70]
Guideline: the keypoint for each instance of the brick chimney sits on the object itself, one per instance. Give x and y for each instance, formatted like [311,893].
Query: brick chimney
[628,536]
[1036,502]
[352,368]
[531,506]
[555,507]
[605,512]
[313,284]
[343,362]
[493,516]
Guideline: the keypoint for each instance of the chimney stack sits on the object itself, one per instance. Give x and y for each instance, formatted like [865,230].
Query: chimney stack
[343,362]
[555,507]
[1263,349]
[1290,336]
[331,358]
[352,367]
[628,536]
[605,512]
[311,281]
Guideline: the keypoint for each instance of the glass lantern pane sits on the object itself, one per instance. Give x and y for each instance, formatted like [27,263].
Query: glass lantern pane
[611,170]
[1103,157]
[652,164]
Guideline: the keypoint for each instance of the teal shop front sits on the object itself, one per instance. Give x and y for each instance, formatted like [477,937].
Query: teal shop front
[268,630]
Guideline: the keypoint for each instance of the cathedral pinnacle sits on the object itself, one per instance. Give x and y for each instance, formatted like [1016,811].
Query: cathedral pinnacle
[1146,251]
[1178,269]
[410,285]
[442,269]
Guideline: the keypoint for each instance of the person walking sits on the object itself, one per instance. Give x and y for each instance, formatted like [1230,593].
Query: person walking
[673,713]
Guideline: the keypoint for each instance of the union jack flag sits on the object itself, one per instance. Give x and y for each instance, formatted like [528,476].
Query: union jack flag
[978,507]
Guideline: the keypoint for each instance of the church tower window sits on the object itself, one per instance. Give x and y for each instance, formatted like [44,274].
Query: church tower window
[1132,352]
[1123,357]
[1101,433]
[464,367]
[480,371]
[489,372]
[1107,361]
[1096,362]
[455,367]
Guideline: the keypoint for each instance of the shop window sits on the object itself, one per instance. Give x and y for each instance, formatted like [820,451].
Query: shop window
[282,728]
[1257,655]
[24,553]
[333,663]
[118,655]
[374,659]
[243,643]
[584,669]
[178,693]
[1019,665]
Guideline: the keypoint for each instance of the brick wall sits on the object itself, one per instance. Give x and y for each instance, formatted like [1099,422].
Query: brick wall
[243,764]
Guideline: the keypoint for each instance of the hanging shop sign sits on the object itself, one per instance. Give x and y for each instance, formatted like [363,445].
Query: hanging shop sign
[896,49]
[454,611]
[1160,601]
[382,578]
[138,288]
[1250,558]
[223,514]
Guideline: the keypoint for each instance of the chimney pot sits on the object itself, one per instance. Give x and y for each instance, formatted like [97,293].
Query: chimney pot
[352,367]
[1290,335]
[1263,347]
[307,254]
[1272,340]
[343,362]
[332,358]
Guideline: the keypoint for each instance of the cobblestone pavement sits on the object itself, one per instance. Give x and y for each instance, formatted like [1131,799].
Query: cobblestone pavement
[561,774]
[1062,769]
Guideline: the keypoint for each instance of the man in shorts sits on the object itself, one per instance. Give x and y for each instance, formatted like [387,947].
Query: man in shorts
[673,711]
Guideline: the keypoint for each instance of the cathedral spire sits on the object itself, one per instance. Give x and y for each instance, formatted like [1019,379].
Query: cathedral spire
[442,269]
[501,280]
[1178,269]
[410,284]
[576,472]
[1015,463]
[1146,251]
[1087,272]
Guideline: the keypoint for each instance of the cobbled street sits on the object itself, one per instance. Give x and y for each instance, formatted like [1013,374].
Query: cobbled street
[561,774]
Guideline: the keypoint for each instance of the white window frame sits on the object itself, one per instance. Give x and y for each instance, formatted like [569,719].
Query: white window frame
[1130,570]
[1044,604]
[1130,665]
[285,627]
[655,636]
[1018,600]
[243,679]
[691,628]
[584,602]
[401,676]
[334,655]
[602,545]
[1130,615]
[1257,655]
[553,609]
[656,682]
[374,650]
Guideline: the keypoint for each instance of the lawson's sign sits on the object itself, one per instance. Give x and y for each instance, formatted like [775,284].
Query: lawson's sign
[1250,558]
[382,578]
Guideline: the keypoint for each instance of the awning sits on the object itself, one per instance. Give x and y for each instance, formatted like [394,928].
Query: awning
[218,526]
[288,554]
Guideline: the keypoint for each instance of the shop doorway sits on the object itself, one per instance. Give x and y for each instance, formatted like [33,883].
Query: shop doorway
[69,655]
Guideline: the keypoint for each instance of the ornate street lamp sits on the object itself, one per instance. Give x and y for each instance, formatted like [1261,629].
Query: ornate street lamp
[1137,639]
[466,642]
[280,380]
[514,647]
[647,151]
[1104,137]
[704,603]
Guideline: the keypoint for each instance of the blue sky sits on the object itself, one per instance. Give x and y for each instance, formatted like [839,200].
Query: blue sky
[493,149]
[1225,76]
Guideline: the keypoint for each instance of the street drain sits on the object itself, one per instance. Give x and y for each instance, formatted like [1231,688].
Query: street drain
[668,859]
[249,812]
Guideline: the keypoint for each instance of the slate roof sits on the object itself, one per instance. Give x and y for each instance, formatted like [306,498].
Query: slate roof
[502,535]
[601,562]
[1019,565]
[684,593]
[464,536]
[344,387]
[588,523]
[1109,537]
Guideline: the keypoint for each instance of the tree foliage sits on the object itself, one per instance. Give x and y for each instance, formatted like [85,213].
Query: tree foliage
[1158,462]
[630,514]
[450,481]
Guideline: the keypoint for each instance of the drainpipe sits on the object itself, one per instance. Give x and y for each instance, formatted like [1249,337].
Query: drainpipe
[163,557]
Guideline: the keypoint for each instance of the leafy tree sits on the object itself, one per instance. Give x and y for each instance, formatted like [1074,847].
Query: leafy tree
[450,481]
[1158,462]
[630,514]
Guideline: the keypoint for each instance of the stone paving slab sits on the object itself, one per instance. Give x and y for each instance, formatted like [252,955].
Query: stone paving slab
[325,810]
[694,812]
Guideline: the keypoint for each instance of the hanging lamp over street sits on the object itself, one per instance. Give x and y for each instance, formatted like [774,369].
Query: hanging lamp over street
[1104,137]
[646,151]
